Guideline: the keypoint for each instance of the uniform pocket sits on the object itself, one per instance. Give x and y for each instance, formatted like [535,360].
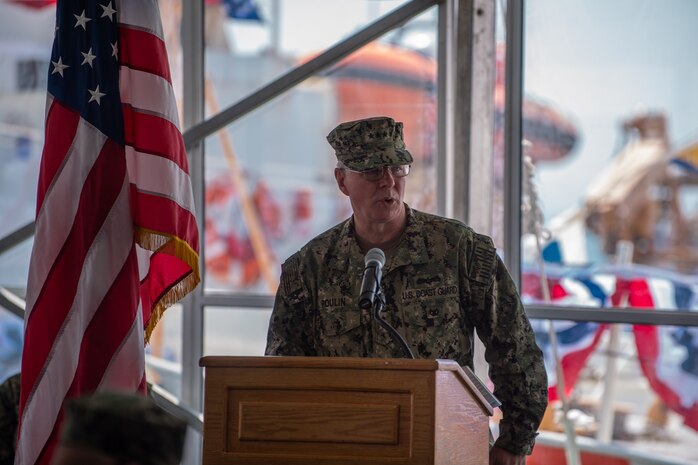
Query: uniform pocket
[435,327]
[339,333]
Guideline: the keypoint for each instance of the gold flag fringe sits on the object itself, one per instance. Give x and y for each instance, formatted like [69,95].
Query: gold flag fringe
[174,246]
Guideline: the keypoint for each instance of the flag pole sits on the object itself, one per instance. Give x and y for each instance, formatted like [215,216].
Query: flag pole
[624,257]
[259,244]
[531,205]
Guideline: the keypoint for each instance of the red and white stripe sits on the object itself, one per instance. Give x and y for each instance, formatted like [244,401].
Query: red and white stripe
[659,355]
[87,302]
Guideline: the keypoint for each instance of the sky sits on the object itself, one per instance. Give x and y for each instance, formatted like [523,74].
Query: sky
[600,62]
[301,33]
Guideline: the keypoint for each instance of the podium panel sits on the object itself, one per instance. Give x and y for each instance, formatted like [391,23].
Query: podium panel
[341,411]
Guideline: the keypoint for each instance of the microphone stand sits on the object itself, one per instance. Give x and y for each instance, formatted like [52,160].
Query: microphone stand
[378,304]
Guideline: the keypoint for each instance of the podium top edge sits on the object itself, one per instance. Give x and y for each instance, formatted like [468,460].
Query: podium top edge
[273,361]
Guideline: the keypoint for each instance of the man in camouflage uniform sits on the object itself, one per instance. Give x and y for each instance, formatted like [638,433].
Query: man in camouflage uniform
[441,280]
[112,428]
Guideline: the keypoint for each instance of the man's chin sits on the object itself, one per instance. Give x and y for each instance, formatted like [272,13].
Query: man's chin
[387,211]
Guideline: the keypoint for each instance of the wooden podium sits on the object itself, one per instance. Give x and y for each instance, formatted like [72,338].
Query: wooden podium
[342,411]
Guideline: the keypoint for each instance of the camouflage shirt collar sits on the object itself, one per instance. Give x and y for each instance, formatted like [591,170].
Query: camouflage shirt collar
[412,249]
[348,246]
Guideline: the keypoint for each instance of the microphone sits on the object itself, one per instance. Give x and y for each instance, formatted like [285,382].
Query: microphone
[374,260]
[371,295]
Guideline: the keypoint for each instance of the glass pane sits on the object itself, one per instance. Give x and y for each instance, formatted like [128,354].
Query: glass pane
[270,185]
[260,44]
[11,340]
[163,355]
[628,387]
[614,148]
[14,267]
[235,331]
[26,37]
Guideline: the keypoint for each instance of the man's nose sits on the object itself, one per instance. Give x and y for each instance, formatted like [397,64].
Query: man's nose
[387,180]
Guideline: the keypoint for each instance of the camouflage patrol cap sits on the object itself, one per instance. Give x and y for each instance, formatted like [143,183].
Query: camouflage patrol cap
[128,427]
[369,143]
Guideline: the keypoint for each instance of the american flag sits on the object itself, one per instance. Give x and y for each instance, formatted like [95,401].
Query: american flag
[34,3]
[239,9]
[116,237]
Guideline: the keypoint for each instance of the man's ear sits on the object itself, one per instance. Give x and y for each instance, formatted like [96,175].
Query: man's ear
[339,176]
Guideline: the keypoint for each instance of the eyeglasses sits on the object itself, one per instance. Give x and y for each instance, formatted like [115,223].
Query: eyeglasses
[398,171]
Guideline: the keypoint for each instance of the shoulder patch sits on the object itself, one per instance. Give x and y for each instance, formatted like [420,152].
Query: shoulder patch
[291,274]
[483,259]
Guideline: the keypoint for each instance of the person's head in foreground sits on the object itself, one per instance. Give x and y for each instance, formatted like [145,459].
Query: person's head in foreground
[120,429]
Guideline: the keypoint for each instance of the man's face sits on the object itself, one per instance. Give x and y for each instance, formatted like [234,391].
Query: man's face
[373,202]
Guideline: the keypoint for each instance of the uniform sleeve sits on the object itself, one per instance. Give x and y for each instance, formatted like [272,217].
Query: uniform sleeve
[290,326]
[515,360]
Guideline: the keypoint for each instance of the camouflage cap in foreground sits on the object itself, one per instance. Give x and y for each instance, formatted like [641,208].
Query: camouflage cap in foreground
[128,427]
[369,143]
[9,418]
